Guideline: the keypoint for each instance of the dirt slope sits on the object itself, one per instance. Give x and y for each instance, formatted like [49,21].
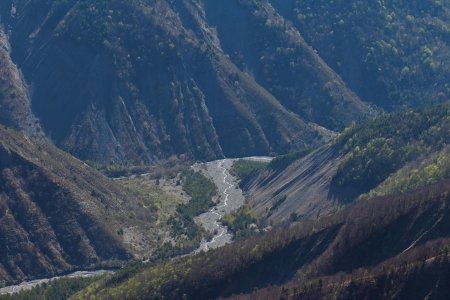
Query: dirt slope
[302,188]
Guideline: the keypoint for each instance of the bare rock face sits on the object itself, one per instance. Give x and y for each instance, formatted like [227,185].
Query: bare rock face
[15,106]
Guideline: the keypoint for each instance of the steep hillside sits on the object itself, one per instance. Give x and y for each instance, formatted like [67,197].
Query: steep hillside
[15,106]
[119,81]
[391,234]
[392,53]
[261,43]
[139,81]
[384,152]
[301,188]
[57,214]
[416,174]
[414,275]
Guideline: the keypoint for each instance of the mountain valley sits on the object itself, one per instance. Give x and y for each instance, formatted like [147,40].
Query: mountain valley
[235,149]
[136,87]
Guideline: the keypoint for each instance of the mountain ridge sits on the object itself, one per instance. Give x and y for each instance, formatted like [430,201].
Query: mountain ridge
[139,102]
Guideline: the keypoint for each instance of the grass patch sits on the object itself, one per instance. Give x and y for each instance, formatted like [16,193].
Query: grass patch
[243,168]
[144,189]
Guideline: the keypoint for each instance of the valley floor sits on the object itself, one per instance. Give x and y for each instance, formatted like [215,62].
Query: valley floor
[28,285]
[229,200]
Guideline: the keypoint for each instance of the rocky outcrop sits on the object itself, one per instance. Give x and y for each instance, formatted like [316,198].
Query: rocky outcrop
[15,106]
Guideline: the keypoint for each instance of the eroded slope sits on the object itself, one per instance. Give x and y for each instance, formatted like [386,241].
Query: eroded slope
[58,214]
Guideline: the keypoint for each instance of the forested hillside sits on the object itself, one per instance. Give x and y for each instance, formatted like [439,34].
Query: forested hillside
[393,53]
[402,237]
[130,82]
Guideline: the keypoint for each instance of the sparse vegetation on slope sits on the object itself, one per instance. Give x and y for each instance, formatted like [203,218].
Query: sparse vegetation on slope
[281,162]
[15,106]
[384,150]
[371,233]
[57,214]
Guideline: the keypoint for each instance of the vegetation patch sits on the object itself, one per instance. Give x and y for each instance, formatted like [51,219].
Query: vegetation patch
[242,168]
[375,150]
[184,230]
[242,223]
[415,175]
[281,162]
